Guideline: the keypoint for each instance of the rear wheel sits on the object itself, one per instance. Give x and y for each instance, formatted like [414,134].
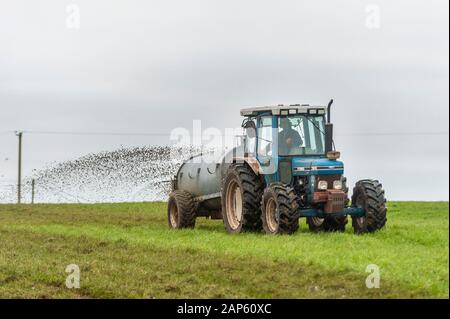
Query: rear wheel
[241,197]
[181,210]
[369,195]
[328,223]
[279,209]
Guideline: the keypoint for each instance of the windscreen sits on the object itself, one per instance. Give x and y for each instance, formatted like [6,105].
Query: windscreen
[301,135]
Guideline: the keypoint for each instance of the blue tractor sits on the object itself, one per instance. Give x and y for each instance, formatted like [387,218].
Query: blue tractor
[285,168]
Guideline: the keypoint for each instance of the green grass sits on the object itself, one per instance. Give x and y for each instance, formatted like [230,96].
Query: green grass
[127,250]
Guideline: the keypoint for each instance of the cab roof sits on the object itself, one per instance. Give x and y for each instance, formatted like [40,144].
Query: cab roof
[283,109]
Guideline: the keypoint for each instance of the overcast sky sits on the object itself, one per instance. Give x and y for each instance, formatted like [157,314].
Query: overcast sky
[151,66]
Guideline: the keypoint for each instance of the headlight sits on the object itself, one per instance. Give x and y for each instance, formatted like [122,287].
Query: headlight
[322,185]
[337,184]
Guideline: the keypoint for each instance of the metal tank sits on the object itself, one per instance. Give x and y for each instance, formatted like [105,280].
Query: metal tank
[198,177]
[201,176]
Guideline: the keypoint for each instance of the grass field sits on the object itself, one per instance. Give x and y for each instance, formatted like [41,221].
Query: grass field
[127,250]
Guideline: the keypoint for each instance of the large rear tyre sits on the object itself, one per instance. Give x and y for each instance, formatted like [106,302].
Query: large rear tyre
[181,210]
[369,195]
[241,197]
[279,209]
[327,224]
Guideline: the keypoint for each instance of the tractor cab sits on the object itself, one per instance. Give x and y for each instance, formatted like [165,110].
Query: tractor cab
[291,141]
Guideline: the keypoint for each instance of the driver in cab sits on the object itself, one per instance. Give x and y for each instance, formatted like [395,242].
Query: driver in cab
[288,138]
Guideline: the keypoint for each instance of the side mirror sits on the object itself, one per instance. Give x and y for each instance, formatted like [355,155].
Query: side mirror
[250,129]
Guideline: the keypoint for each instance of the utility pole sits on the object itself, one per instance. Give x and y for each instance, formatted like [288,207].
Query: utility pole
[19,177]
[33,185]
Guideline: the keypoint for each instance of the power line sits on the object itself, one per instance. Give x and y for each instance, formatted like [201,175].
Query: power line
[88,133]
[393,134]
[92,133]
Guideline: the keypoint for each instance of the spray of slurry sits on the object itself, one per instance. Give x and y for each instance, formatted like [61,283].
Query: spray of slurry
[124,175]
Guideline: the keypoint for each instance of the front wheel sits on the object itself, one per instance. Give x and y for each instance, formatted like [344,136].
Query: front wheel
[279,210]
[369,195]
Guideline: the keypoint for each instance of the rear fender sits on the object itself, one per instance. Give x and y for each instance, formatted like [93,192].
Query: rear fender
[252,162]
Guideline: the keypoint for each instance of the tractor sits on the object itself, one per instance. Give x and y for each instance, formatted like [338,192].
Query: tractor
[285,167]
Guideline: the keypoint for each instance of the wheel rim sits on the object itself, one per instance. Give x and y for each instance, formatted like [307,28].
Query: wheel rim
[271,215]
[360,204]
[234,205]
[360,221]
[317,221]
[173,215]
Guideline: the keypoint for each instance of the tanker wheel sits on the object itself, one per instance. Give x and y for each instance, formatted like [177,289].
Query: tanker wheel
[328,223]
[241,196]
[279,209]
[369,195]
[181,210]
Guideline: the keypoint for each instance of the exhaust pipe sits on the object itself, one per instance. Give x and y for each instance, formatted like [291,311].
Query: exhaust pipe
[329,130]
[329,110]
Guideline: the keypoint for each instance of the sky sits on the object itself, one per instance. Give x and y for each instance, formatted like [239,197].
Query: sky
[152,66]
